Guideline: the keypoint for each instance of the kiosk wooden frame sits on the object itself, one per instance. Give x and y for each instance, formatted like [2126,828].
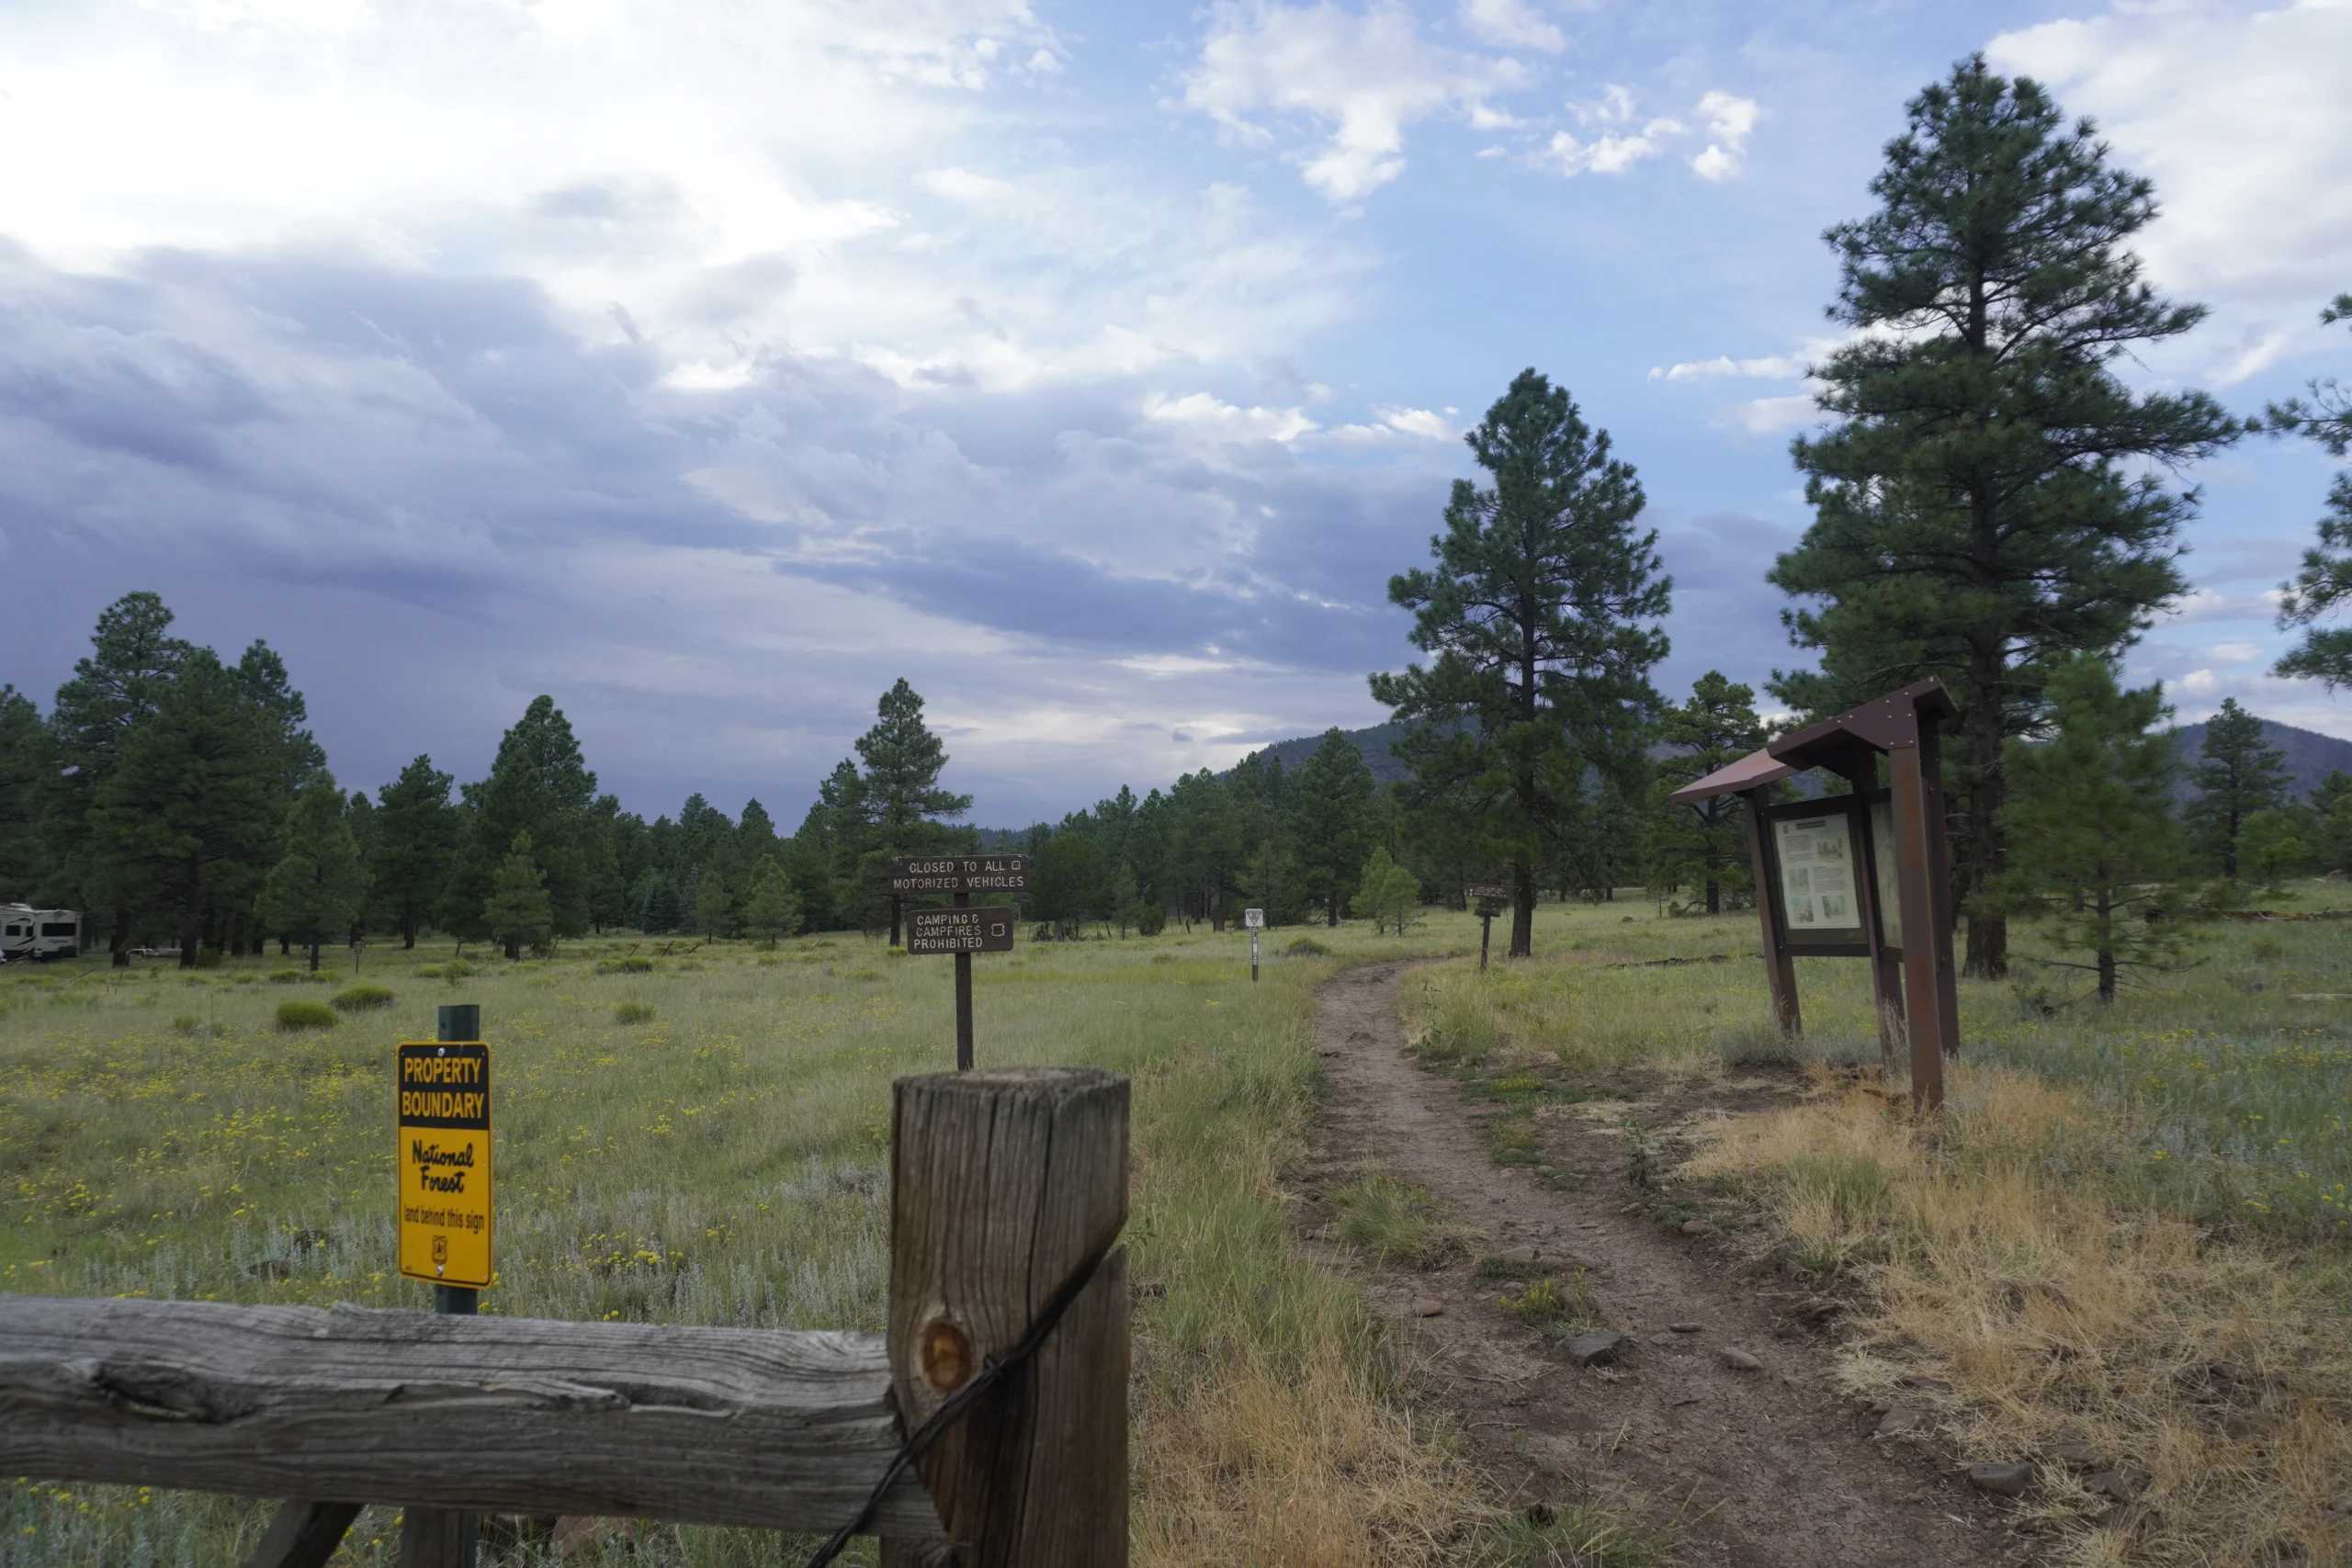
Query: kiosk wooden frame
[1907,936]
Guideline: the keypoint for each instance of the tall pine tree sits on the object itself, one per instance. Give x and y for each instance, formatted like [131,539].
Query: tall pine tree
[416,845]
[319,884]
[539,785]
[1330,802]
[1705,842]
[2324,585]
[132,661]
[2090,818]
[1543,616]
[1989,503]
[901,794]
[188,813]
[2238,776]
[24,772]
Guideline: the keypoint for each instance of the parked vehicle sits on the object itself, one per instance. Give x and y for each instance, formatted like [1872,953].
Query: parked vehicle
[27,933]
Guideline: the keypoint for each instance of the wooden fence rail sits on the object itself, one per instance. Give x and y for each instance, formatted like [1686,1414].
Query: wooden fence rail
[1004,1183]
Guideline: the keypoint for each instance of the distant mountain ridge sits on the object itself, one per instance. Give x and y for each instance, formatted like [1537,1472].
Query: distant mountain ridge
[2310,755]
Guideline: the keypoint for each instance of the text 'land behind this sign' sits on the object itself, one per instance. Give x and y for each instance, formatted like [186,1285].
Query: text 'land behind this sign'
[987,929]
[959,874]
[443,1160]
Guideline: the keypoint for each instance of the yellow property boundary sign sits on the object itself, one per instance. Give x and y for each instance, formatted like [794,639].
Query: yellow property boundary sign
[443,1159]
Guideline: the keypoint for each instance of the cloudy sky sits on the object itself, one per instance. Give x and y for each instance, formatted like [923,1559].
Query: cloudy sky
[710,364]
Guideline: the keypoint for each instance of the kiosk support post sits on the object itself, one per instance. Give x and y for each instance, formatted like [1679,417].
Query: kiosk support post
[1780,968]
[1914,877]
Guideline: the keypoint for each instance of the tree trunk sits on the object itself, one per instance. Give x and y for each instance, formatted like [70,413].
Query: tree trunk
[314,958]
[1522,908]
[1988,933]
[1714,896]
[513,948]
[285,946]
[191,923]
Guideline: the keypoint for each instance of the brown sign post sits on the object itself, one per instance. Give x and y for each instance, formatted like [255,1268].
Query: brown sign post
[1490,898]
[962,931]
[1859,876]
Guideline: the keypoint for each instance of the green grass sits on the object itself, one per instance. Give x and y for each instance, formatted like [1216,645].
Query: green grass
[722,1161]
[1388,1219]
[2236,1089]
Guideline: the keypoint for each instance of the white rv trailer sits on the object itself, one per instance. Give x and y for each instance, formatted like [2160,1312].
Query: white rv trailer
[38,934]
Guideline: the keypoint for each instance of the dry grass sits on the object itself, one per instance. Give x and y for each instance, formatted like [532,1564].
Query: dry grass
[701,1140]
[2028,1314]
[2118,1202]
[1309,1465]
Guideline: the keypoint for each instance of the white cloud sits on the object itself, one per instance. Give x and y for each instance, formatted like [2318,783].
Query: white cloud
[1768,416]
[1512,23]
[963,184]
[2196,683]
[625,153]
[2243,121]
[1729,121]
[1203,418]
[2233,652]
[1771,368]
[1366,75]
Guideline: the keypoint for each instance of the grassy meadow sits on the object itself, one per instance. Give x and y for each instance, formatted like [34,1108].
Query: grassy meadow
[701,1137]
[2125,1250]
[2129,1234]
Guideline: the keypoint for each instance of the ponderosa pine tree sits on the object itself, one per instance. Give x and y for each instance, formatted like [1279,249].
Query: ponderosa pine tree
[2325,583]
[1330,800]
[519,909]
[1543,616]
[1385,894]
[771,909]
[132,661]
[539,785]
[319,884]
[1706,841]
[2239,776]
[903,800]
[25,771]
[1989,503]
[714,904]
[416,845]
[2090,818]
[190,807]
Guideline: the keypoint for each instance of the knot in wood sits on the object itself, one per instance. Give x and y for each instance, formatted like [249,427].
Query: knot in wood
[946,1354]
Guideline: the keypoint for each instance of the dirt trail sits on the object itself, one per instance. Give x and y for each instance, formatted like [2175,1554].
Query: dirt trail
[1767,1467]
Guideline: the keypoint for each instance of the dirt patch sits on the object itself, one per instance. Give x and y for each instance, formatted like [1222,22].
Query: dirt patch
[1749,1464]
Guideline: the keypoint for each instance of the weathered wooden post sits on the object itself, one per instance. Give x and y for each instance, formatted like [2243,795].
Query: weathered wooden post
[1008,1193]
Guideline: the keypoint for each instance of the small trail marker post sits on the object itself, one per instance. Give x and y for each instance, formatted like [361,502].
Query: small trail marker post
[1256,920]
[1490,899]
[1859,876]
[963,929]
[444,1159]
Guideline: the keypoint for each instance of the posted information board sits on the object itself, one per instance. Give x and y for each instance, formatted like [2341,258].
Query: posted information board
[1487,892]
[988,929]
[1817,856]
[443,1162]
[959,874]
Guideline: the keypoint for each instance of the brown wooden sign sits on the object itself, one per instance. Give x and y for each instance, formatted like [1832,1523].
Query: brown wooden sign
[1491,892]
[988,929]
[959,874]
